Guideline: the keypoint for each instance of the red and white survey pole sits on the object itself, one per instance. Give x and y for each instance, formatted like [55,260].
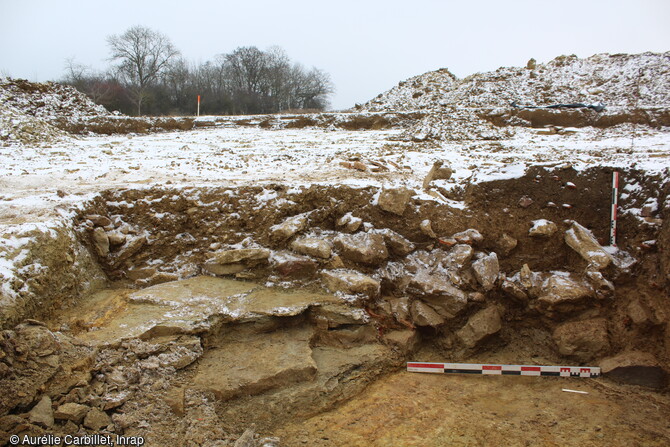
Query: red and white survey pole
[198,105]
[615,195]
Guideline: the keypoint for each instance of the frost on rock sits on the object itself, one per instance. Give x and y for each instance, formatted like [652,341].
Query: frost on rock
[350,282]
[486,270]
[289,227]
[313,246]
[349,223]
[543,227]
[365,248]
[583,242]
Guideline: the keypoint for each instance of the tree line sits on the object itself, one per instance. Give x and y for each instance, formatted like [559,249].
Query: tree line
[149,76]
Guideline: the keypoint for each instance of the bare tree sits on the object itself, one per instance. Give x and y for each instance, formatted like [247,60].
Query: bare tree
[316,89]
[143,55]
[97,85]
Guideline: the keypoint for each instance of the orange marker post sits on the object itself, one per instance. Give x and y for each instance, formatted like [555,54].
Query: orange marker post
[198,105]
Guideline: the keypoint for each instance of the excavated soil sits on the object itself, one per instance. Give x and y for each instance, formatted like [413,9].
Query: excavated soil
[289,312]
[446,410]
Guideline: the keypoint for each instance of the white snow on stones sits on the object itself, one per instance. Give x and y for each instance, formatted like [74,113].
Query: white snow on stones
[350,282]
[349,223]
[583,242]
[543,228]
[563,293]
[397,244]
[289,227]
[240,255]
[364,248]
[313,246]
[486,270]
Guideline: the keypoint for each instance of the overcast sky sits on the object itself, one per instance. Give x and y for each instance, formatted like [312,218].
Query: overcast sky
[366,46]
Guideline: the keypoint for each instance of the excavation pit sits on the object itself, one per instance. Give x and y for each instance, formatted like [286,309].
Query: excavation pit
[187,315]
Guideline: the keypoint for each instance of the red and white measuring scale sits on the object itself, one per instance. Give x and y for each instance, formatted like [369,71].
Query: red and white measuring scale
[504,370]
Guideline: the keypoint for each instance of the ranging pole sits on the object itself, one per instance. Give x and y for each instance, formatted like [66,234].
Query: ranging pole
[613,218]
[198,105]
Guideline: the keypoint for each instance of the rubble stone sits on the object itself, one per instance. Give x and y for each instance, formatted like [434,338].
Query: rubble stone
[396,244]
[116,239]
[223,270]
[406,340]
[427,229]
[348,281]
[99,221]
[506,244]
[365,248]
[312,246]
[438,291]
[525,202]
[526,276]
[349,223]
[543,228]
[400,308]
[241,255]
[437,172]
[289,227]
[514,290]
[72,412]
[101,241]
[42,414]
[247,439]
[96,419]
[295,266]
[638,313]
[603,287]
[336,315]
[395,200]
[583,242]
[561,293]
[469,236]
[583,340]
[459,255]
[482,324]
[424,315]
[486,270]
[335,263]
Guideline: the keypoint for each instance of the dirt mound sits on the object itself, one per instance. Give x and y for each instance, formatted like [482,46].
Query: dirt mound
[18,128]
[49,101]
[632,87]
[32,112]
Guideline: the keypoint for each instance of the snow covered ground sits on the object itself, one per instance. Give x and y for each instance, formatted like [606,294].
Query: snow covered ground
[35,181]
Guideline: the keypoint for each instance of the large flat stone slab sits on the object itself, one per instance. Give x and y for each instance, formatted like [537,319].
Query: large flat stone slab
[186,306]
[256,364]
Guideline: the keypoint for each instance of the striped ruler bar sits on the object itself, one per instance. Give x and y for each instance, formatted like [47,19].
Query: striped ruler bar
[504,370]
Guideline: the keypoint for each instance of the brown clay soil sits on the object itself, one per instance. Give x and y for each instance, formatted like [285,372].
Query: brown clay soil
[413,409]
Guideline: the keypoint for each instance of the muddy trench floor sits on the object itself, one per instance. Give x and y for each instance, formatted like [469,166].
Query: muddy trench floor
[413,409]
